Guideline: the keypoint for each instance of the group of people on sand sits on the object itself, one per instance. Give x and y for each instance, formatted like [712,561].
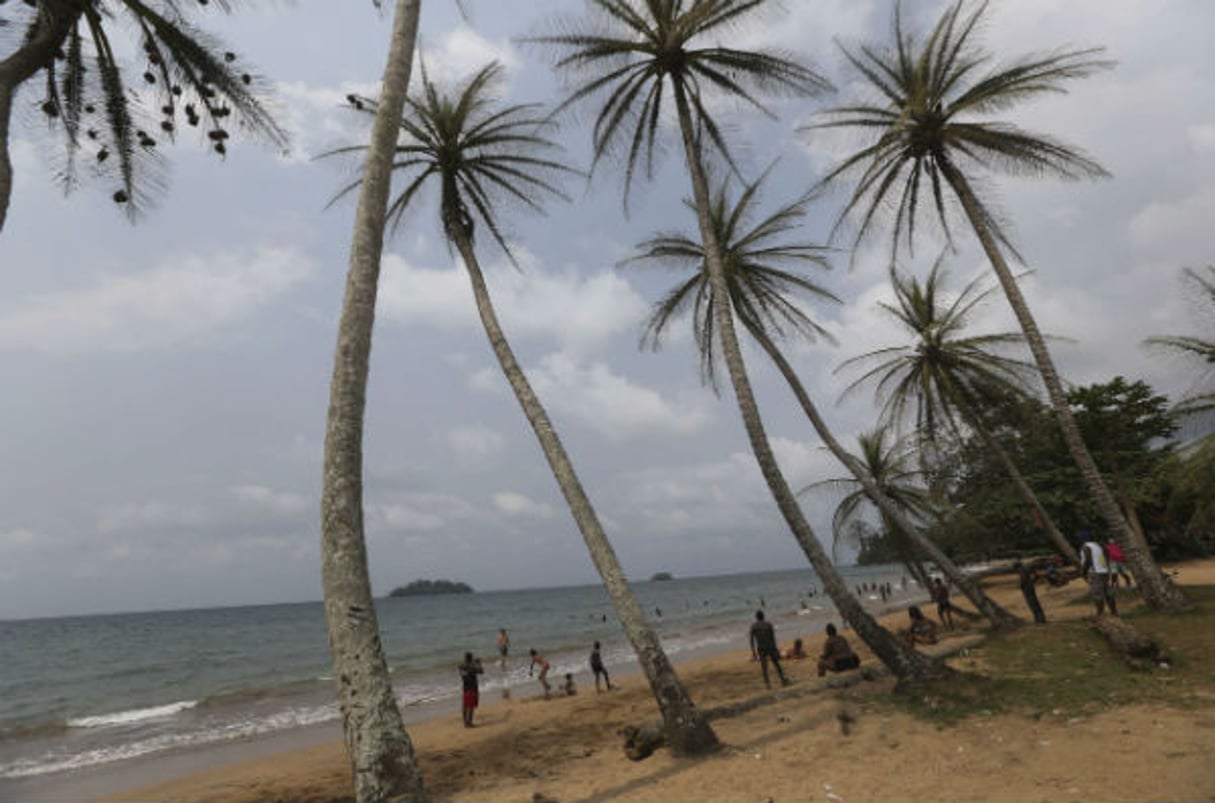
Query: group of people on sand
[471,670]
[837,655]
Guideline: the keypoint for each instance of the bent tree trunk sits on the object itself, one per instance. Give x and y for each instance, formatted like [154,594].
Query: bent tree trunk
[688,732]
[1158,590]
[1052,532]
[42,40]
[998,616]
[904,663]
[380,751]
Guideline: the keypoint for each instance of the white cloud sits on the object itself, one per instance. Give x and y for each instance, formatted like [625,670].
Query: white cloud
[463,51]
[175,304]
[319,119]
[610,404]
[475,445]
[576,311]
[279,502]
[1161,226]
[516,504]
[158,517]
[1201,137]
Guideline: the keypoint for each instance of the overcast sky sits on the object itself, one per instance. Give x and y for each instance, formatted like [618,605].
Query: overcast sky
[165,384]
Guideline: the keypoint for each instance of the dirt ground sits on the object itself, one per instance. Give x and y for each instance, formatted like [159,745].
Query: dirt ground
[1142,735]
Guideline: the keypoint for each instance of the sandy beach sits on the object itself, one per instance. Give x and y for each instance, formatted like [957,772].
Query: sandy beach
[788,744]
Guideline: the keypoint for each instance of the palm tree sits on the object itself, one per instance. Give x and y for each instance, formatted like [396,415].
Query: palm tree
[924,132]
[633,52]
[889,466]
[72,49]
[381,753]
[760,275]
[948,377]
[475,150]
[1195,348]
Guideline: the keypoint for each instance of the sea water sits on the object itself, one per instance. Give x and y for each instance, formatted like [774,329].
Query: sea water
[78,692]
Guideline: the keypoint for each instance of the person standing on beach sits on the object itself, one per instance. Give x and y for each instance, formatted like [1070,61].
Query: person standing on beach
[468,679]
[1027,578]
[542,662]
[764,649]
[503,646]
[1096,568]
[597,668]
[940,595]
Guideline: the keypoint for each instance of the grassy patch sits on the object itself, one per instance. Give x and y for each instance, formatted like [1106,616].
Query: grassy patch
[1065,669]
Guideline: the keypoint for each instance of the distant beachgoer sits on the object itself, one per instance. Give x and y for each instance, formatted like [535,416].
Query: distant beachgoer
[503,646]
[1096,568]
[468,679]
[542,662]
[1117,561]
[658,612]
[1027,577]
[568,688]
[597,668]
[940,595]
[837,654]
[763,603]
[764,649]
[922,630]
[797,652]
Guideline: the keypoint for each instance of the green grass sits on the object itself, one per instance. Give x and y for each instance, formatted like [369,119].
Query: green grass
[1065,669]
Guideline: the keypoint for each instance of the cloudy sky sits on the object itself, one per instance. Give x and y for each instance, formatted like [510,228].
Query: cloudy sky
[164,384]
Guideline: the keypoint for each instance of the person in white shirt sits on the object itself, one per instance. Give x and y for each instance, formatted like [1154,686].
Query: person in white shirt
[1096,568]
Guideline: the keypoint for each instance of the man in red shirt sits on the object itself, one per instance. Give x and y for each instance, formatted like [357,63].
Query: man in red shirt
[1113,553]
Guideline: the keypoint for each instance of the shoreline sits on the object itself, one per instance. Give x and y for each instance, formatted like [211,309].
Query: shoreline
[113,780]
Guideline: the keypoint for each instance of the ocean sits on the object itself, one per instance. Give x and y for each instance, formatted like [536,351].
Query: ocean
[86,691]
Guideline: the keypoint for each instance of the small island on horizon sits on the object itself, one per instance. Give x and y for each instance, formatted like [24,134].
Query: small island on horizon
[424,588]
[657,576]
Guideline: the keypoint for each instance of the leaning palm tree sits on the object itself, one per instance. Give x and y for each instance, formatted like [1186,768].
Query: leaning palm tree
[889,464]
[927,138]
[478,152]
[633,50]
[762,276]
[73,50]
[948,377]
[380,750]
[1195,348]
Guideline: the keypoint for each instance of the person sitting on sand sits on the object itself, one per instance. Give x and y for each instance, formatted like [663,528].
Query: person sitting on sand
[468,679]
[837,654]
[764,649]
[568,688]
[542,662]
[597,668]
[797,652]
[922,630]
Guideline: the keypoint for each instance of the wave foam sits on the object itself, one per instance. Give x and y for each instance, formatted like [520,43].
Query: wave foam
[132,716]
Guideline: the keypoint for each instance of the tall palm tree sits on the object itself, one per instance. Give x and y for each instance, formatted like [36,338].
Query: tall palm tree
[927,137]
[760,269]
[73,48]
[949,377]
[889,465]
[380,750]
[634,50]
[476,150]
[1195,348]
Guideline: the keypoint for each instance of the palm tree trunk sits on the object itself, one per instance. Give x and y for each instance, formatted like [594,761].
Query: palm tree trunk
[904,662]
[1159,591]
[1052,532]
[1000,618]
[381,753]
[688,732]
[47,32]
